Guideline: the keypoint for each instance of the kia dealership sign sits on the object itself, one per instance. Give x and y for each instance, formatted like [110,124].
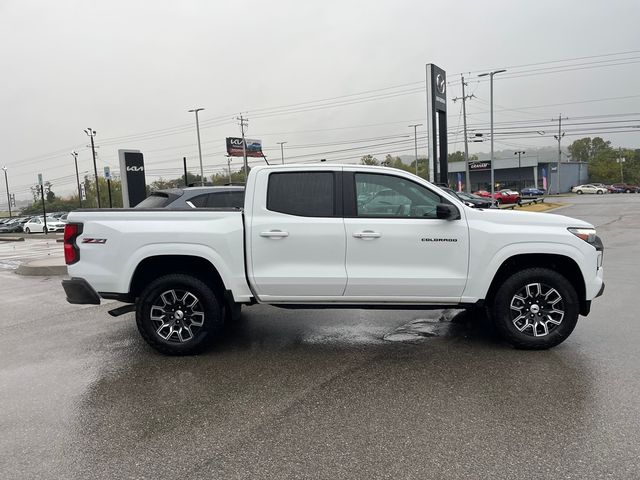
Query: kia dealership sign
[134,185]
[234,147]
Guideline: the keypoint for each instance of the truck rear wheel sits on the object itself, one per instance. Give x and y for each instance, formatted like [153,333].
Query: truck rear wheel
[178,314]
[535,309]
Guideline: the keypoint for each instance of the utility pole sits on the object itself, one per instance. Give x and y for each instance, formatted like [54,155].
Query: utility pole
[196,110]
[621,160]
[74,154]
[92,133]
[415,141]
[519,168]
[281,150]
[184,165]
[559,139]
[466,142]
[491,74]
[244,123]
[6,182]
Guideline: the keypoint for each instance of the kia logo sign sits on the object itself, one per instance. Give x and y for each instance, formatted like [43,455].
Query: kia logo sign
[135,169]
[235,141]
[441,85]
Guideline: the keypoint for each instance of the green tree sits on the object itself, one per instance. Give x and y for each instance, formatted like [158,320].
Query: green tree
[369,160]
[456,157]
[586,149]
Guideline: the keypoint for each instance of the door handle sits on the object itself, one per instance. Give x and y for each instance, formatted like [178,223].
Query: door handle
[274,234]
[367,234]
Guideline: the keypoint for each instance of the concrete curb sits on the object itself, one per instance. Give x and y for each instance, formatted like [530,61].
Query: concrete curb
[11,239]
[44,268]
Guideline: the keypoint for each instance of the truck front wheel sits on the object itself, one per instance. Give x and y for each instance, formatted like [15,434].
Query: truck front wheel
[178,314]
[535,309]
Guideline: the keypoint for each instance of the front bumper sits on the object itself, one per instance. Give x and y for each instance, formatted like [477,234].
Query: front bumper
[79,291]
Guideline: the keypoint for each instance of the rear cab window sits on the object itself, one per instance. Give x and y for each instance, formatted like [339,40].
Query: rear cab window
[306,194]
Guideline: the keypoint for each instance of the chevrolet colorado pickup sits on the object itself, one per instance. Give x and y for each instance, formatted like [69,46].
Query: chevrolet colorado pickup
[334,236]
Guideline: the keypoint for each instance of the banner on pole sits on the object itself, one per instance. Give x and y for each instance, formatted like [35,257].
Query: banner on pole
[107,173]
[253,147]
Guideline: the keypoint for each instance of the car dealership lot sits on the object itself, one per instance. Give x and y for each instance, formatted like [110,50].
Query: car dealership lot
[12,254]
[324,394]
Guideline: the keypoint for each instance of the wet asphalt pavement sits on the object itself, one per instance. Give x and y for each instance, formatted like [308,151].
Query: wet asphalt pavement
[325,394]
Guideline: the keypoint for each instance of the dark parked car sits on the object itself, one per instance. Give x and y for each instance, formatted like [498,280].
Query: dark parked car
[195,197]
[627,188]
[532,191]
[470,199]
[13,226]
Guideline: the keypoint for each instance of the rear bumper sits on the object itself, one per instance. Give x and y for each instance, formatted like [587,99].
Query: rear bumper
[79,291]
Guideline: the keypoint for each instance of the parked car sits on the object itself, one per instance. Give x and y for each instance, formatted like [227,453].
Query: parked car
[627,188]
[195,197]
[589,188]
[472,200]
[11,226]
[501,196]
[532,191]
[612,189]
[36,225]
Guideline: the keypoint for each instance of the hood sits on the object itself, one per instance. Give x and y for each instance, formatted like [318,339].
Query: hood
[525,218]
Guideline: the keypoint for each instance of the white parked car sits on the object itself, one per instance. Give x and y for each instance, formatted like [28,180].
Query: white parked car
[589,188]
[36,225]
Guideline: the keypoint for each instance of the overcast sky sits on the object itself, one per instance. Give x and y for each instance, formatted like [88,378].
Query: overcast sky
[133,68]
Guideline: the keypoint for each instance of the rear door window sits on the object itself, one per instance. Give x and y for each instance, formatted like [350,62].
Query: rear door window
[306,194]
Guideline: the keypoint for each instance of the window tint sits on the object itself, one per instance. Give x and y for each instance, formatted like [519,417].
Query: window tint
[155,200]
[200,201]
[307,194]
[225,200]
[389,196]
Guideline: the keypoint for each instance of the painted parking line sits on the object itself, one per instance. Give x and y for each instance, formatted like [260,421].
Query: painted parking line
[13,254]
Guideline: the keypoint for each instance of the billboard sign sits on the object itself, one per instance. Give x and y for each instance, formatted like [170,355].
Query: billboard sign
[253,147]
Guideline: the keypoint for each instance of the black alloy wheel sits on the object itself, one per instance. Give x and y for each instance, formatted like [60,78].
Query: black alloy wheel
[535,309]
[178,314]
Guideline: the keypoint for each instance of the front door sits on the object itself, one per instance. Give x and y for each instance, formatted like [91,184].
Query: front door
[397,248]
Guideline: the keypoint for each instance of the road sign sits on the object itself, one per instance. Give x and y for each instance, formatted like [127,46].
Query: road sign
[39,179]
[107,173]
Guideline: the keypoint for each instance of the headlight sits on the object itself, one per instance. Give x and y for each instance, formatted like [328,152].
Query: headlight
[586,234]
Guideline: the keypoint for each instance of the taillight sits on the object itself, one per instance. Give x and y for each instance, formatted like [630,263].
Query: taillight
[71,251]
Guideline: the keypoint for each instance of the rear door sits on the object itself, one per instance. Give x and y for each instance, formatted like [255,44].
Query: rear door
[296,235]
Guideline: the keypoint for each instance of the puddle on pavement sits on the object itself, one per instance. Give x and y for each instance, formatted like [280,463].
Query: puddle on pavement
[451,323]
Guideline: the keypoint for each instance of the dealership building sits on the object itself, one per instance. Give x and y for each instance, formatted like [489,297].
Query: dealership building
[514,173]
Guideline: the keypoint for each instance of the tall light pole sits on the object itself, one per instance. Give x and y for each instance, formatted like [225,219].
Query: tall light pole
[196,110]
[6,182]
[522,152]
[491,74]
[74,154]
[92,133]
[415,141]
[281,150]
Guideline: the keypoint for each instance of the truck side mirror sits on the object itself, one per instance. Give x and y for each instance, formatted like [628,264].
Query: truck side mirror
[446,211]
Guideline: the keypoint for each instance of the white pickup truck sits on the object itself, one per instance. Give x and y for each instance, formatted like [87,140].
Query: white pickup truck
[334,236]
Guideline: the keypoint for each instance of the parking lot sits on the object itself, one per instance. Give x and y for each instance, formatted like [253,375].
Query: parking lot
[321,393]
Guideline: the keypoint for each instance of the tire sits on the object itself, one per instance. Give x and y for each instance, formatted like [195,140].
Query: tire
[579,192]
[627,191]
[27,231]
[529,294]
[167,304]
[498,202]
